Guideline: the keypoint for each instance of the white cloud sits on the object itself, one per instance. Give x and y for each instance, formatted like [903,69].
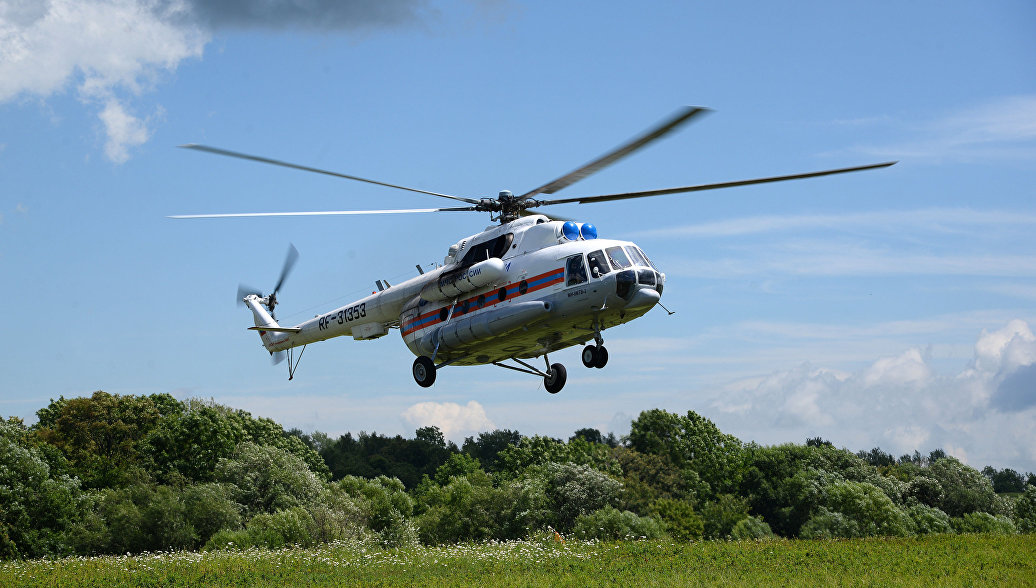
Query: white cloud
[907,369]
[110,50]
[985,413]
[938,220]
[1003,129]
[455,421]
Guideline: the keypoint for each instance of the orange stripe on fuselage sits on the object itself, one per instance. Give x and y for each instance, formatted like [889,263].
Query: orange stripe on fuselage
[511,291]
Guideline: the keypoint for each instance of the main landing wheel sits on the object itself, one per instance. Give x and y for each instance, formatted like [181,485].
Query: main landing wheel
[555,379]
[424,371]
[595,356]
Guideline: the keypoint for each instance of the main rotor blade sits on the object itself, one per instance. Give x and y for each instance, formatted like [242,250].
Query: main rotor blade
[218,151]
[670,124]
[325,212]
[698,188]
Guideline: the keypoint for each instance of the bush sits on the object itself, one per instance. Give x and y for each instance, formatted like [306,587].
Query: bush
[268,479]
[385,506]
[983,522]
[468,508]
[929,520]
[751,528]
[228,539]
[557,494]
[210,508]
[679,519]
[721,516]
[609,524]
[293,526]
[857,509]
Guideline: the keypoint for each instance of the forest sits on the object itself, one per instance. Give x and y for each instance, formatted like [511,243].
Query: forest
[113,474]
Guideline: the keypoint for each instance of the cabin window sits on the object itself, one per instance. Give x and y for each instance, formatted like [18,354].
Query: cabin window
[598,263]
[617,258]
[575,271]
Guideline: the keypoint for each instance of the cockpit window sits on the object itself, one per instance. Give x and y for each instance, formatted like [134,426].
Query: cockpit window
[488,249]
[598,263]
[617,258]
[635,255]
[646,258]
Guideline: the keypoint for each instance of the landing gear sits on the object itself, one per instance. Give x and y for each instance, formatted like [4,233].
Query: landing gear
[555,379]
[595,356]
[424,371]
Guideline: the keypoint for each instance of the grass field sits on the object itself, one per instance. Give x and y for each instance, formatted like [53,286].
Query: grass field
[947,560]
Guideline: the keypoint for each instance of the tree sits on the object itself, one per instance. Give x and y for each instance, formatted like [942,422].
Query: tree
[192,441]
[692,443]
[1005,480]
[1025,511]
[489,445]
[100,435]
[965,489]
[37,507]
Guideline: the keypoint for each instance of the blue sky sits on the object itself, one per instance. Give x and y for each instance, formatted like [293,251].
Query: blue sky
[891,307]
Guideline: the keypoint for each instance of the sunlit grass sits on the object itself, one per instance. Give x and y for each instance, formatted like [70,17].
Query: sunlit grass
[939,560]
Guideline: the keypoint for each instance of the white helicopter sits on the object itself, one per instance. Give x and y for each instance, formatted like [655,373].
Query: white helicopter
[530,286]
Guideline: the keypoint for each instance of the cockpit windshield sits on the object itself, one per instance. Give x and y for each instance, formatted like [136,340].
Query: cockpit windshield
[636,256]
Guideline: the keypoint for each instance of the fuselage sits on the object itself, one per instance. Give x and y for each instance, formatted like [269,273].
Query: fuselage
[518,290]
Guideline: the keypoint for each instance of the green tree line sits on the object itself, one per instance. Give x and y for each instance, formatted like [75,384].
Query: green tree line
[111,474]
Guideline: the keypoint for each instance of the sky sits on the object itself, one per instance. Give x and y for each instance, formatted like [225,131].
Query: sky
[890,308]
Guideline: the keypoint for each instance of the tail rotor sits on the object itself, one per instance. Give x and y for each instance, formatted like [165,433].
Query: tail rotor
[270,302]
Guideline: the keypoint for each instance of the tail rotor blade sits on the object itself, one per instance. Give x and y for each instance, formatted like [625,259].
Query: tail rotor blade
[289,263]
[244,290]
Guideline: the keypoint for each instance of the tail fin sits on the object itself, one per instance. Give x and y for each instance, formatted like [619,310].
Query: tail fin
[270,332]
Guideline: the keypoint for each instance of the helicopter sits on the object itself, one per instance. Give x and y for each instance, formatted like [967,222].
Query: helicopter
[531,285]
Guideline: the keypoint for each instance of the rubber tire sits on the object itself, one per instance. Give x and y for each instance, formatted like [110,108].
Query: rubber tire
[602,357]
[556,379]
[424,371]
[589,356]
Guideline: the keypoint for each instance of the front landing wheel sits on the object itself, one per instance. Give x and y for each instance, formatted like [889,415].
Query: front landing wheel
[555,379]
[424,371]
[602,357]
[589,355]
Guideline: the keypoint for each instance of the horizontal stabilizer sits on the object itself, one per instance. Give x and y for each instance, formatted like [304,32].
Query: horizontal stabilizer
[277,329]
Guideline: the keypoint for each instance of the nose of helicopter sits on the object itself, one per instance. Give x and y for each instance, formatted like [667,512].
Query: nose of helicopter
[644,296]
[639,287]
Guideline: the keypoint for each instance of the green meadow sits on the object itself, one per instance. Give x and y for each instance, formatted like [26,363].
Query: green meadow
[940,560]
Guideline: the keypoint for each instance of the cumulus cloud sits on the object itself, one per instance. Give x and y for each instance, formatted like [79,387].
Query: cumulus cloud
[985,412]
[113,51]
[455,421]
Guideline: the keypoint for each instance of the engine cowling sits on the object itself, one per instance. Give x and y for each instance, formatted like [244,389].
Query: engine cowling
[461,281]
